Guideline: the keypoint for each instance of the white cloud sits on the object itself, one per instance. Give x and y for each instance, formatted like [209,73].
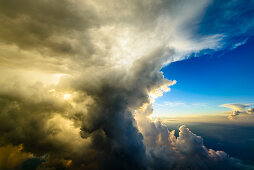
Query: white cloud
[238,110]
[240,43]
[236,107]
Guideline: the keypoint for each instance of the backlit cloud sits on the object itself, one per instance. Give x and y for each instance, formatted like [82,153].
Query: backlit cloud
[238,110]
[77,78]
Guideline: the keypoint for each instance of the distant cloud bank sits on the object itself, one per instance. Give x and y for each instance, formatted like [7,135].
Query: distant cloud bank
[239,110]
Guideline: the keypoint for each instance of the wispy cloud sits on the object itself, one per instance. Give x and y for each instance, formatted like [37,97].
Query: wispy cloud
[175,104]
[183,104]
[240,43]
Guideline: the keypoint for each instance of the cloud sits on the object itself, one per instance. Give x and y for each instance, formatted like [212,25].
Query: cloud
[12,157]
[236,25]
[182,104]
[236,107]
[187,151]
[175,104]
[250,110]
[238,110]
[240,43]
[106,56]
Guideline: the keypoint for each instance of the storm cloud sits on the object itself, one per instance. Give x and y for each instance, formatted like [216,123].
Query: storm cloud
[78,79]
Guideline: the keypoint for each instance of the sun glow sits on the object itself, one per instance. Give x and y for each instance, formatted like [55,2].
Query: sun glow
[67,96]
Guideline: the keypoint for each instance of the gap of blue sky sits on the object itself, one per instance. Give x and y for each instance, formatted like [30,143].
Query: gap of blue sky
[213,77]
[205,82]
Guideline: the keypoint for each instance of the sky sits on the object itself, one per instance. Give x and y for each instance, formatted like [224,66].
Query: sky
[209,78]
[81,81]
[208,81]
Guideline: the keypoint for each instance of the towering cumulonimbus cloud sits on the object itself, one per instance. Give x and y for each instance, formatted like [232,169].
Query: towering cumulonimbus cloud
[79,77]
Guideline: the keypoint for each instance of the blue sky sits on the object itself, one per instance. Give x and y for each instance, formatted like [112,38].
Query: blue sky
[205,82]
[211,78]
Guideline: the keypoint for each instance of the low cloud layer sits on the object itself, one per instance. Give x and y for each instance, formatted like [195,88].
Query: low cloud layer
[78,79]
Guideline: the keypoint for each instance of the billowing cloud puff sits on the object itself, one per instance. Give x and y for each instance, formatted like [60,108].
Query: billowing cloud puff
[250,110]
[187,151]
[77,79]
[238,110]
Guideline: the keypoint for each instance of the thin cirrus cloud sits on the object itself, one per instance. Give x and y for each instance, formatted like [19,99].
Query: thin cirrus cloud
[77,79]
